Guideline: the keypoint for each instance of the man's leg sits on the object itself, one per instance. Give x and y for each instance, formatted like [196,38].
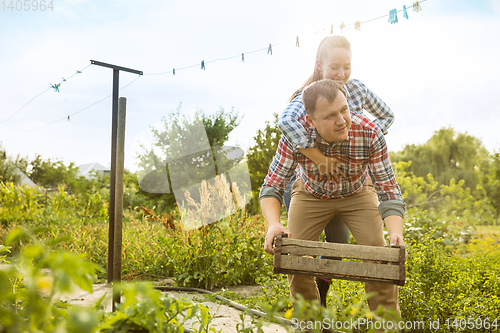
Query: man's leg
[360,213]
[307,217]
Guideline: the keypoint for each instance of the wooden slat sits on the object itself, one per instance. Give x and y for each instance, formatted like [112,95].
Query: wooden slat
[277,252]
[347,270]
[402,266]
[310,248]
[385,264]
[322,266]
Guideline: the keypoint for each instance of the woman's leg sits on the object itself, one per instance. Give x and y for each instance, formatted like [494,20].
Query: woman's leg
[336,231]
[287,194]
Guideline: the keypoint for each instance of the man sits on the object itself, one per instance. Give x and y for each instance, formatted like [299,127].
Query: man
[356,141]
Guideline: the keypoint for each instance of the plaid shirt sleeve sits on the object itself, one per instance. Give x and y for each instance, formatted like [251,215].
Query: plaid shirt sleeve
[384,180]
[292,128]
[375,106]
[282,168]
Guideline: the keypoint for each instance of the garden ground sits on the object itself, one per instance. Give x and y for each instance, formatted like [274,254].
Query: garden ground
[224,319]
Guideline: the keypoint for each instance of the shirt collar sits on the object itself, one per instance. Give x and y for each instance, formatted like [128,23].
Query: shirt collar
[319,139]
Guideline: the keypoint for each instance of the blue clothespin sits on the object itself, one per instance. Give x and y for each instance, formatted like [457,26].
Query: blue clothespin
[173,71]
[270,49]
[297,42]
[393,16]
[55,87]
[203,64]
[405,14]
[243,57]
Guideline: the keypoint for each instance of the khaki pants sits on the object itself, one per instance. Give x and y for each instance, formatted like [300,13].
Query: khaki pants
[309,215]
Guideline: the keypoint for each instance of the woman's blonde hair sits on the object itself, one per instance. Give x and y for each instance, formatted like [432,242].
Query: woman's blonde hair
[327,44]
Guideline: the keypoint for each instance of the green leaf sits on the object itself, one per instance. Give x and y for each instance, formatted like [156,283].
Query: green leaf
[32,251]
[82,321]
[5,287]
[68,267]
[4,249]
[58,240]
[15,236]
[39,230]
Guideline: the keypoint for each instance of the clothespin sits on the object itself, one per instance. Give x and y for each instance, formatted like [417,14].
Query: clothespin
[203,64]
[55,87]
[405,14]
[243,57]
[342,26]
[297,42]
[78,72]
[68,118]
[416,7]
[331,30]
[173,71]
[270,49]
[357,25]
[393,16]
[64,80]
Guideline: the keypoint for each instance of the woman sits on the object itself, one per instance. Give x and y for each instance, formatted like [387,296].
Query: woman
[333,61]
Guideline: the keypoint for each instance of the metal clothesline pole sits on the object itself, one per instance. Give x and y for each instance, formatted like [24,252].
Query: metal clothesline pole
[112,236]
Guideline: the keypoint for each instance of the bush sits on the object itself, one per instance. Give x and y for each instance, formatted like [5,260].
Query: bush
[442,286]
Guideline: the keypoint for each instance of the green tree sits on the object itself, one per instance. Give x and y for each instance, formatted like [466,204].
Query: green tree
[453,200]
[490,182]
[9,168]
[185,151]
[48,174]
[260,156]
[446,155]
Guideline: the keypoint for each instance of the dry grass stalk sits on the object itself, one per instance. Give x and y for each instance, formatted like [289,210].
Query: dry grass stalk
[149,214]
[167,220]
[216,202]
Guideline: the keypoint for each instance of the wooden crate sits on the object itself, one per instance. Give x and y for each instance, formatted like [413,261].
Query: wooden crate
[293,256]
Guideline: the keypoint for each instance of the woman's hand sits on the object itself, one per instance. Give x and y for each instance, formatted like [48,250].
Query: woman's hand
[271,233]
[328,166]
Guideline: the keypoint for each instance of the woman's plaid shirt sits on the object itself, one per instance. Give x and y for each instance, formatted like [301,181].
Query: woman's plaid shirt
[364,151]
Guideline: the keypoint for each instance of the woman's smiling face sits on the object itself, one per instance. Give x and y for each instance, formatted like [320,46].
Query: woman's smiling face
[336,65]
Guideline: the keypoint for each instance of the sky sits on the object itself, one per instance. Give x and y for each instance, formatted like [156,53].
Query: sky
[438,68]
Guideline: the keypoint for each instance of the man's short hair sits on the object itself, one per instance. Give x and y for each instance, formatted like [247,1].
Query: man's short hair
[326,88]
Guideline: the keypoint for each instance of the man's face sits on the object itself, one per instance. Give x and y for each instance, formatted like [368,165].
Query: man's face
[331,120]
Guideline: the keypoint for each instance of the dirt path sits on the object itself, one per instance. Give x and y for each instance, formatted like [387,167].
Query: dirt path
[225,317]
